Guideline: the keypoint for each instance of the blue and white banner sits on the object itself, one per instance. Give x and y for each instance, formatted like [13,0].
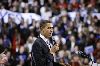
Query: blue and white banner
[17,17]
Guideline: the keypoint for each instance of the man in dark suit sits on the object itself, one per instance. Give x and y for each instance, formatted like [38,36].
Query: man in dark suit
[42,49]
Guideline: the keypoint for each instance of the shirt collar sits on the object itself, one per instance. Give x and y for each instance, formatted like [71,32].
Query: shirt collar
[45,39]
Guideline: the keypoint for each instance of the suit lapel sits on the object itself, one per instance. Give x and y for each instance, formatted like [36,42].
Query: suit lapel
[43,42]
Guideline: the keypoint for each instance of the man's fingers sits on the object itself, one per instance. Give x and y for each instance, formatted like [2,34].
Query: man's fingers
[56,45]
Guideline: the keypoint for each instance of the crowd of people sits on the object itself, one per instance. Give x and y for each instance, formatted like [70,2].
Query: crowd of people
[73,35]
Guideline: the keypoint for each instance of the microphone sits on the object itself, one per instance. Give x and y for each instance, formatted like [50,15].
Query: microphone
[83,54]
[52,40]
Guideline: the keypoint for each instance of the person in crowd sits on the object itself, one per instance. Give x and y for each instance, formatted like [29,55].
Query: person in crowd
[3,56]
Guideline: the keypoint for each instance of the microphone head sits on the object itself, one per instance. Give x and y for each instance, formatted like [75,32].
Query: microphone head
[78,52]
[52,40]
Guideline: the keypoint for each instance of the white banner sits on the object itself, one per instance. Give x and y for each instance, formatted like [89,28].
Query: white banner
[5,14]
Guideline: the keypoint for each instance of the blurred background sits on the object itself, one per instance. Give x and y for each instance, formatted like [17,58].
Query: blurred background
[76,28]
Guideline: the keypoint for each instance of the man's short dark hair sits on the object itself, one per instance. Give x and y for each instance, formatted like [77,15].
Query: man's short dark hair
[43,23]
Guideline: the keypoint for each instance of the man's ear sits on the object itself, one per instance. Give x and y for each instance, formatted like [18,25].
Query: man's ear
[42,30]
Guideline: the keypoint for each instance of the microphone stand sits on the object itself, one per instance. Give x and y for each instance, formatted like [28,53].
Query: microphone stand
[82,54]
[90,58]
[92,62]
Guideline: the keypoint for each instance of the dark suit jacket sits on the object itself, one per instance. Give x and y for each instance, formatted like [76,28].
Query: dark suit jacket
[41,54]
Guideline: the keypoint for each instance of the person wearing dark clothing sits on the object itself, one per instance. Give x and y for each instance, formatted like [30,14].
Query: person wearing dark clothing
[42,50]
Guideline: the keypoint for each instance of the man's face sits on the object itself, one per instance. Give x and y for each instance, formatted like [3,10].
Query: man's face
[48,30]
